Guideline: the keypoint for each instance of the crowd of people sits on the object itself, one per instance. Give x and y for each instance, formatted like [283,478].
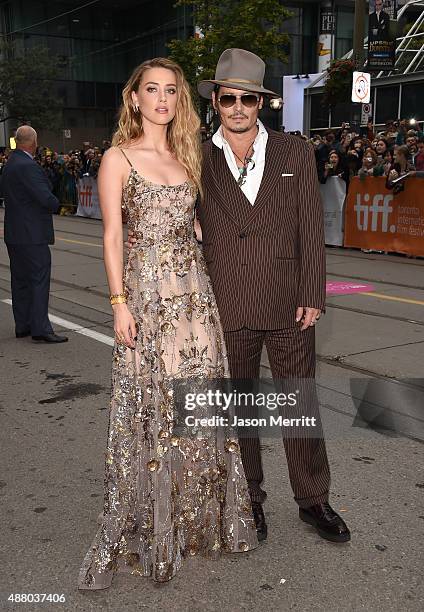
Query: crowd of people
[64,169]
[396,150]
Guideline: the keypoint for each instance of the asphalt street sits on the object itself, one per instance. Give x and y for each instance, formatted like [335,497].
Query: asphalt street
[54,404]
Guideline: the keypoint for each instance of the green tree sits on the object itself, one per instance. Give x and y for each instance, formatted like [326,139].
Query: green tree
[253,25]
[338,86]
[26,86]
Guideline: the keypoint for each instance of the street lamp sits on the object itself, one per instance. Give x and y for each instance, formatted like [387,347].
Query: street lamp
[276,104]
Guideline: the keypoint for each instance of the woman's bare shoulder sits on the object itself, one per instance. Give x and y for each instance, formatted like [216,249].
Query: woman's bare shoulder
[114,159]
[114,167]
[113,153]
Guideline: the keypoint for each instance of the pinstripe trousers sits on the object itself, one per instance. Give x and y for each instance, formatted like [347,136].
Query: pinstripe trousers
[291,354]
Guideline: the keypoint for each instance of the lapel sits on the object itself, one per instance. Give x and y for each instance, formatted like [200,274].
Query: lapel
[227,193]
[277,150]
[224,187]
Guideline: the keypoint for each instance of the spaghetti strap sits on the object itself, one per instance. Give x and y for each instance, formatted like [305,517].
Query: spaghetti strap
[126,157]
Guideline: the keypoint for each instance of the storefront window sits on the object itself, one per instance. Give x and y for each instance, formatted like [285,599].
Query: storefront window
[387,103]
[413,101]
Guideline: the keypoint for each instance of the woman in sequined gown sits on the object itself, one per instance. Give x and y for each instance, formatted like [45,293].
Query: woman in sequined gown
[165,496]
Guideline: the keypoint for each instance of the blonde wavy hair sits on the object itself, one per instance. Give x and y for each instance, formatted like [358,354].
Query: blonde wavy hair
[184,129]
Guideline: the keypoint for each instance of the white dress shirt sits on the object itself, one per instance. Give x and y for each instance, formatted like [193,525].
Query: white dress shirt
[253,177]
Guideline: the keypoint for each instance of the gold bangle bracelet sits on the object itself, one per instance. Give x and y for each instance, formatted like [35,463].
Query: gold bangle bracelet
[114,295]
[118,299]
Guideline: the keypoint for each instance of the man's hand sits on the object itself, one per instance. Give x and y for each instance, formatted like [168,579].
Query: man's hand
[197,230]
[130,240]
[308,316]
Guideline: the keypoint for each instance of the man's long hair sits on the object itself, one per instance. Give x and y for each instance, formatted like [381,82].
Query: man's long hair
[183,131]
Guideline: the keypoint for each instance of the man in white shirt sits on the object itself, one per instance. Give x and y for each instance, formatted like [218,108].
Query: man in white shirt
[263,241]
[250,186]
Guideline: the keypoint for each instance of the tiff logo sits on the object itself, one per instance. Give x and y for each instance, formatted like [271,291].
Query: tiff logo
[380,207]
[86,195]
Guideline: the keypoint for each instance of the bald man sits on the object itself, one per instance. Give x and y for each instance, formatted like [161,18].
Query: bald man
[28,231]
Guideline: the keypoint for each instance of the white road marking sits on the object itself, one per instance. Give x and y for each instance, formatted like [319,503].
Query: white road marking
[79,242]
[84,331]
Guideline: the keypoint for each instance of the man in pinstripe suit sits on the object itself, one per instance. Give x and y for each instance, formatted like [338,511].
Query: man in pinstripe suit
[263,241]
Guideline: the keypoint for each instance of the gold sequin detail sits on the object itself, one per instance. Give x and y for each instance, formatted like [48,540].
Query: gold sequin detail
[231,446]
[153,465]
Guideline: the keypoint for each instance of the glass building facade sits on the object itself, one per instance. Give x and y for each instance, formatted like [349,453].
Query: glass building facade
[399,94]
[303,29]
[99,45]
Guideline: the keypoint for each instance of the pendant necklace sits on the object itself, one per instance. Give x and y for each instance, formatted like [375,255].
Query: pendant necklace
[247,160]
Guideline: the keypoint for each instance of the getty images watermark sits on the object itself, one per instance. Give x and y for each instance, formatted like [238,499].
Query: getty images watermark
[268,408]
[245,410]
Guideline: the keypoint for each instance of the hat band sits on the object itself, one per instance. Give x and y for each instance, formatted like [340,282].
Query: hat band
[235,80]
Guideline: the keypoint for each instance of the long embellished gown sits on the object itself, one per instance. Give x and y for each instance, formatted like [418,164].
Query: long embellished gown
[165,497]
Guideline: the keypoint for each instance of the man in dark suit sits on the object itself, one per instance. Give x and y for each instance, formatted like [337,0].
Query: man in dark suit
[28,231]
[263,242]
[379,22]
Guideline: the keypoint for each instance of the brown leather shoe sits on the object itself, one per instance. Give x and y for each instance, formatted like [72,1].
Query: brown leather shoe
[328,523]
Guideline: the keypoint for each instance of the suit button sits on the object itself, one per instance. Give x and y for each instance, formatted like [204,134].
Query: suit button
[242,234]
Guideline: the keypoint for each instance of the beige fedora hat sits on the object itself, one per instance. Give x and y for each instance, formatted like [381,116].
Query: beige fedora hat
[237,69]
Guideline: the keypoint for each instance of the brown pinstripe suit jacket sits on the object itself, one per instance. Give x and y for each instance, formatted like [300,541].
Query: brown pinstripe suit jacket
[267,259]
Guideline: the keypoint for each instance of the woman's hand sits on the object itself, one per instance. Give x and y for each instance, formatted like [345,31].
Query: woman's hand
[393,175]
[124,325]
[130,240]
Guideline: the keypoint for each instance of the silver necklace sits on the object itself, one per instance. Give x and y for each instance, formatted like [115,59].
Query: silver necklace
[248,159]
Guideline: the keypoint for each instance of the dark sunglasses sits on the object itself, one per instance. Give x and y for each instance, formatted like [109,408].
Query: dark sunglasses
[248,100]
